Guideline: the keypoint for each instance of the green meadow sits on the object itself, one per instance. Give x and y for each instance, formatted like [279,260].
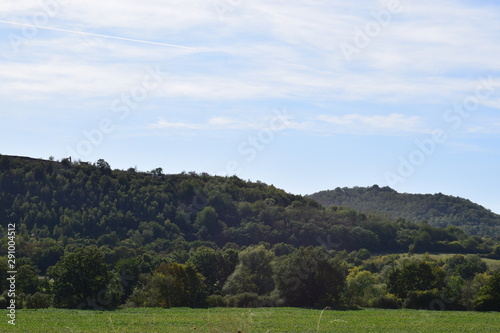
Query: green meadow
[227,320]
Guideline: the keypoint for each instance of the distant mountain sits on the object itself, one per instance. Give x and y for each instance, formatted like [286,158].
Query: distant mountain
[437,209]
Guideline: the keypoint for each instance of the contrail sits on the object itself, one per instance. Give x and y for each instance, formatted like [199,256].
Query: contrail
[97,35]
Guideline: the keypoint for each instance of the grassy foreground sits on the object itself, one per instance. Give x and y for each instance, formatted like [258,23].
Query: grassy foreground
[227,320]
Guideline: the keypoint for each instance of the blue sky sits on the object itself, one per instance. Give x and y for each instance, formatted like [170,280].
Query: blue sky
[305,95]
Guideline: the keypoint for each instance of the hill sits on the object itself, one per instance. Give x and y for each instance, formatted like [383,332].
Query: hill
[438,209]
[82,235]
[87,203]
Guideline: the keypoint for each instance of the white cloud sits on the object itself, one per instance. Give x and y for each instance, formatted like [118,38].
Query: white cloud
[19,7]
[58,79]
[489,128]
[215,123]
[263,49]
[356,123]
[326,124]
[459,147]
[492,102]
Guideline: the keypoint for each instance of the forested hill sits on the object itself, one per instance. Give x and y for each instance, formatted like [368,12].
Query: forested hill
[87,236]
[438,209]
[66,203]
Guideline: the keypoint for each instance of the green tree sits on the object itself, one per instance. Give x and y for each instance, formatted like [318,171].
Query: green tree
[466,267]
[415,276]
[253,274]
[309,277]
[103,165]
[128,270]
[171,285]
[214,265]
[158,172]
[361,287]
[27,279]
[470,290]
[79,277]
[4,283]
[489,294]
[208,221]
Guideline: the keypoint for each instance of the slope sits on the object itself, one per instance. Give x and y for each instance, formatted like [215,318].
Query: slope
[437,209]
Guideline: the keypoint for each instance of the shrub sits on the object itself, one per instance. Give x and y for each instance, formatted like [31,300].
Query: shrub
[38,301]
[244,300]
[214,301]
[486,303]
[388,301]
[428,299]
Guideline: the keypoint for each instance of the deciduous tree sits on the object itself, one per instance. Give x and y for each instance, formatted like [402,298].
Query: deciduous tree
[79,276]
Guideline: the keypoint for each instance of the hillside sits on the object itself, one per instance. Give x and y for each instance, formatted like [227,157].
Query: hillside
[438,209]
[83,231]
[93,204]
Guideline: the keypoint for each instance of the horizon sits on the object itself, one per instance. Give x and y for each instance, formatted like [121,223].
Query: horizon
[304,96]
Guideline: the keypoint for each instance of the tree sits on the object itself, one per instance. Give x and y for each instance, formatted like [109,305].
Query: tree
[172,285]
[128,270]
[309,277]
[66,162]
[158,172]
[4,283]
[361,287]
[79,276]
[489,294]
[466,267]
[103,166]
[253,274]
[27,278]
[208,219]
[415,276]
[214,265]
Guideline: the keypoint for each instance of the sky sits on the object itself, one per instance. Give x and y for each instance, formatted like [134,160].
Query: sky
[305,95]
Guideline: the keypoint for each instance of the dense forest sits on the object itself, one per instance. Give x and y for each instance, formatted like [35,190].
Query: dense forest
[438,209]
[91,237]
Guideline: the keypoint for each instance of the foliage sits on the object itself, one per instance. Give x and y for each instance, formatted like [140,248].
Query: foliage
[214,265]
[422,299]
[171,285]
[39,301]
[91,237]
[79,276]
[310,277]
[466,267]
[438,209]
[253,274]
[489,294]
[362,288]
[415,275]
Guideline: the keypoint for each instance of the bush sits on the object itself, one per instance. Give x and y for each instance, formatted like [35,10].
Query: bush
[3,300]
[428,299]
[244,300]
[388,301]
[486,303]
[38,301]
[252,300]
[215,301]
[170,285]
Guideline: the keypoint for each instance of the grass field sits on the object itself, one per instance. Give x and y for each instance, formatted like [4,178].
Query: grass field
[227,320]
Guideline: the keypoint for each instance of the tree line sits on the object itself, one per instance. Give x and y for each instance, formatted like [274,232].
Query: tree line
[258,276]
[150,239]
[438,209]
